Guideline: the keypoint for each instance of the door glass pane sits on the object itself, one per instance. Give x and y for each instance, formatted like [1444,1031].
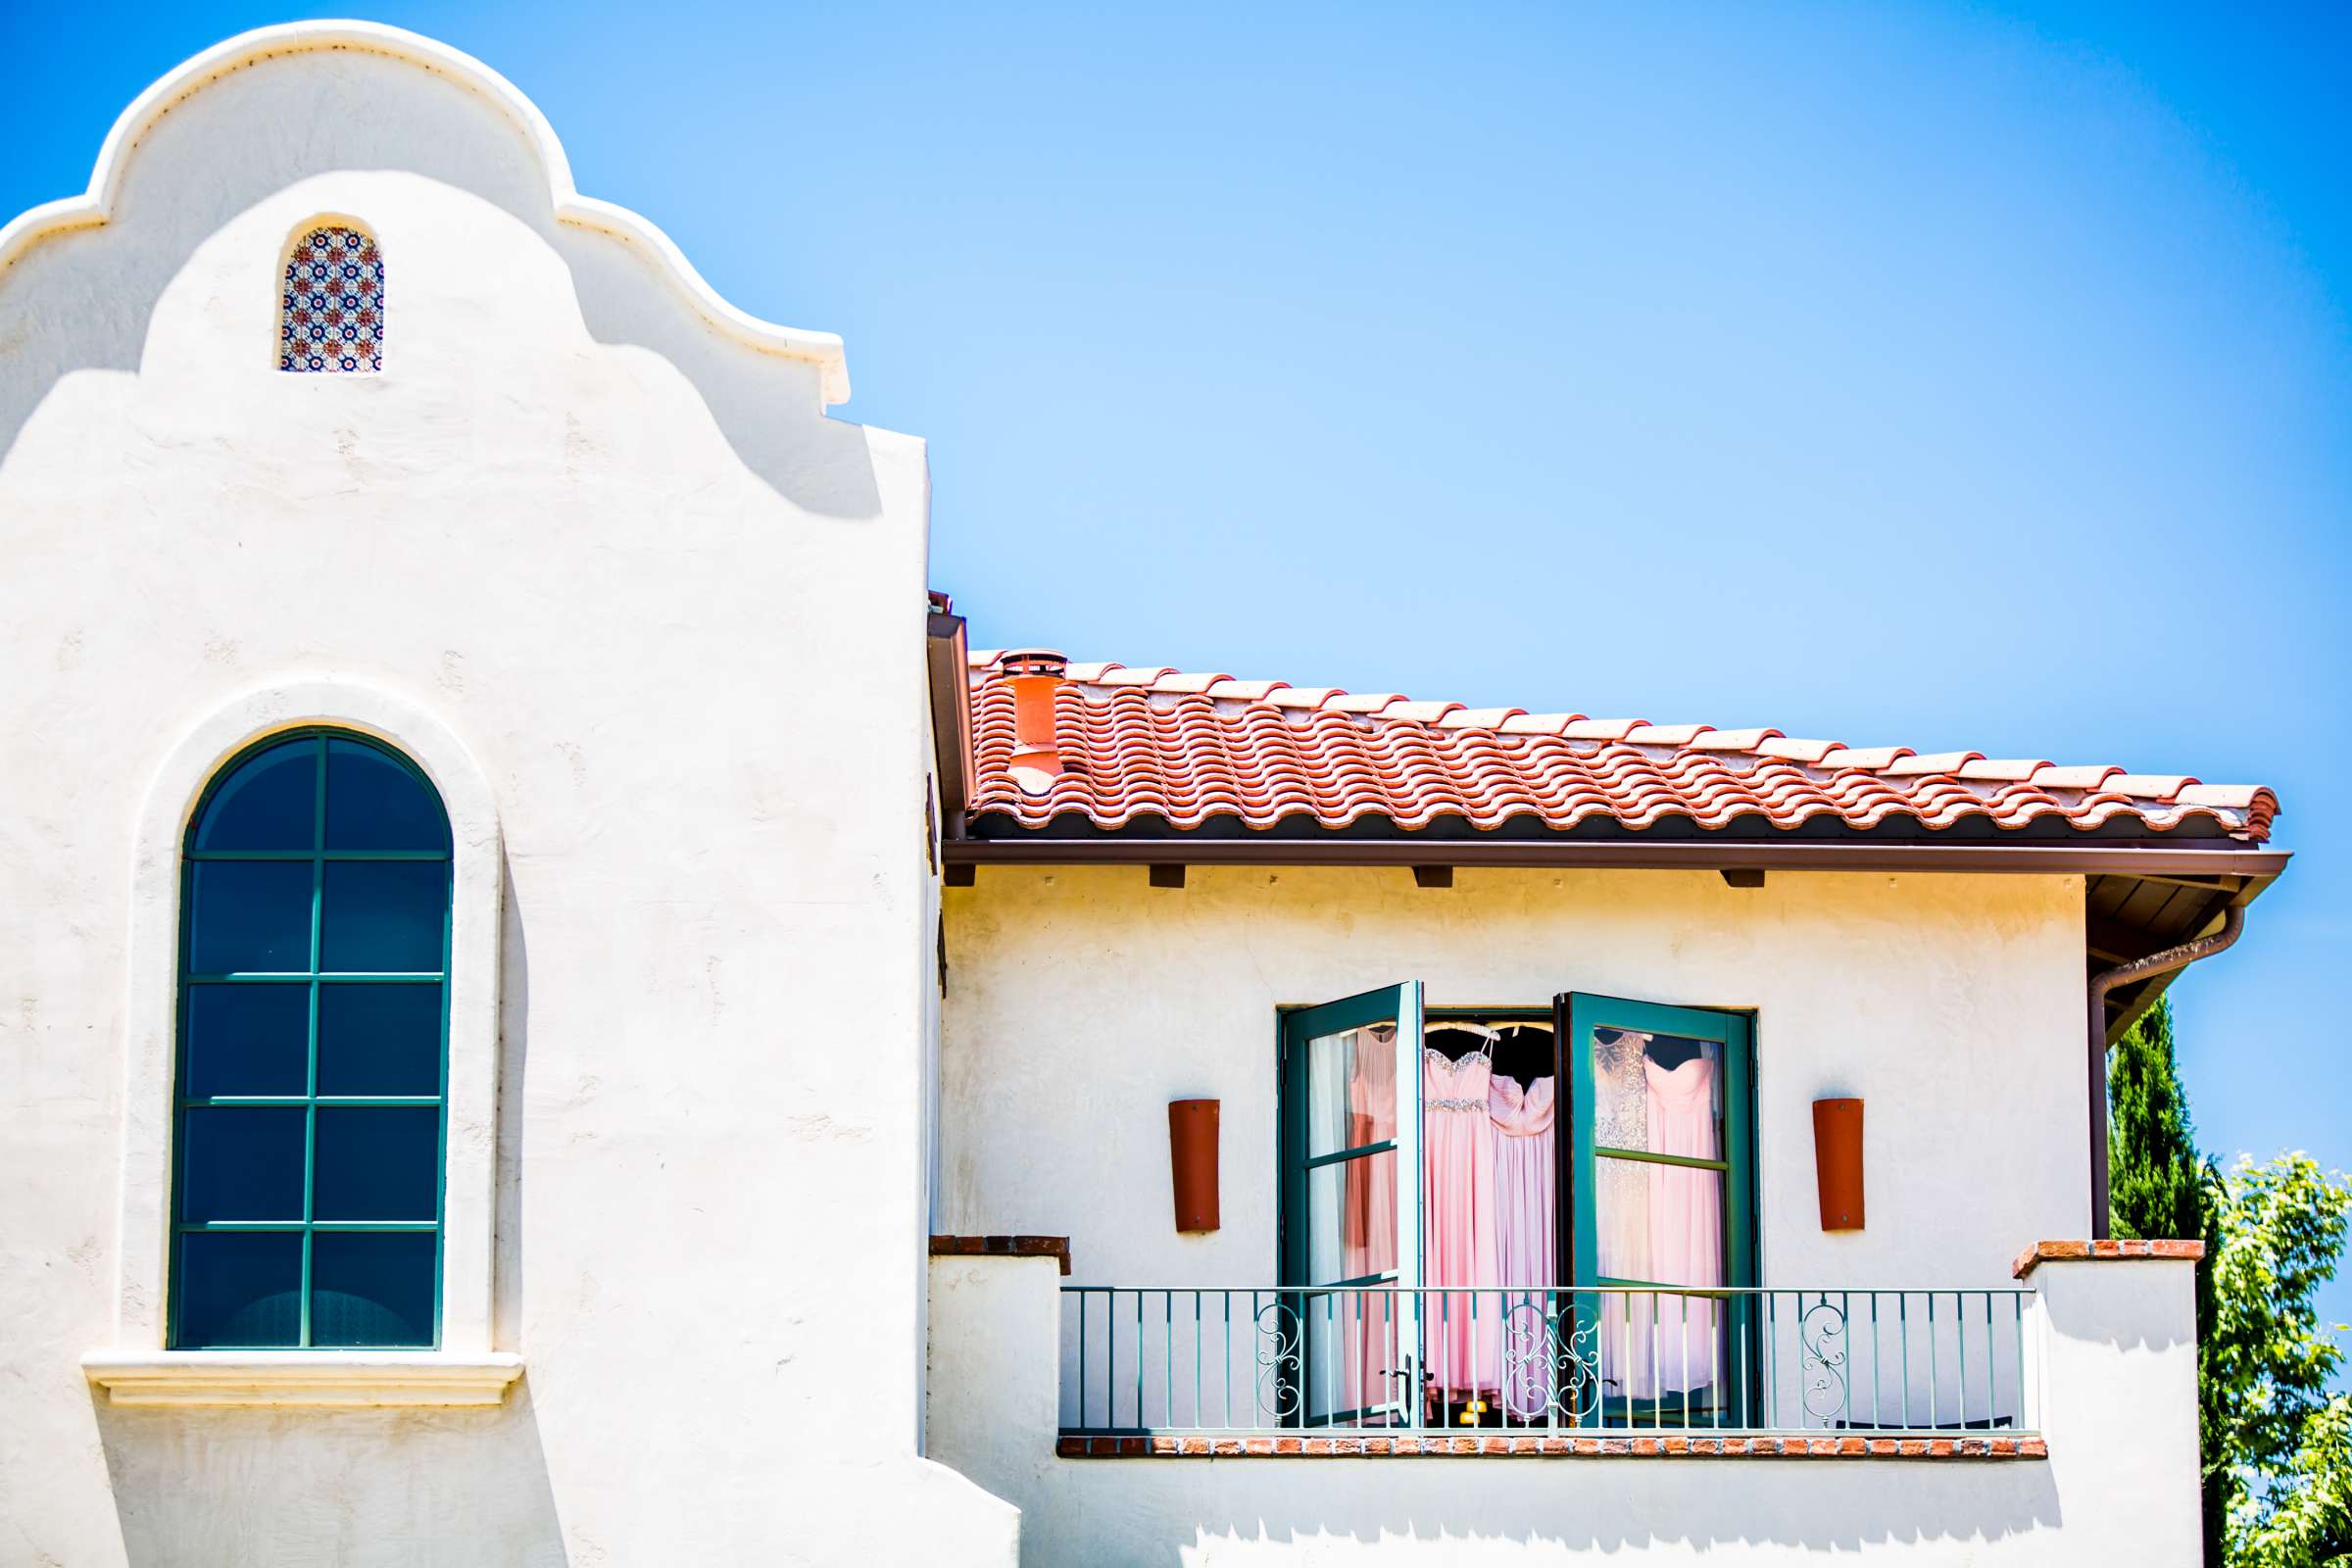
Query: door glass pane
[239,1287]
[1351,1205]
[251,915]
[1660,1093]
[1361,1194]
[377,1162]
[1659,1223]
[371,1289]
[383,915]
[241,1162]
[1351,1089]
[248,1039]
[373,803]
[379,1039]
[269,803]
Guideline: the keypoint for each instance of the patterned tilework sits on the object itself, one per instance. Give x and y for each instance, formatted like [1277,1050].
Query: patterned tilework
[333,313]
[1158,744]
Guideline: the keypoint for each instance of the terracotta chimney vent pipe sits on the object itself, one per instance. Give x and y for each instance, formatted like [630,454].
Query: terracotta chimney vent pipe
[1036,676]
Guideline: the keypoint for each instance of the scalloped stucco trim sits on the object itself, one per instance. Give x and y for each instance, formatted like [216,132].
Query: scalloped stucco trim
[96,205]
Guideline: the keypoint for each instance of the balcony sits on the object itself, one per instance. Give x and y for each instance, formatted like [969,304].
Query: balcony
[1260,1425]
[1915,1370]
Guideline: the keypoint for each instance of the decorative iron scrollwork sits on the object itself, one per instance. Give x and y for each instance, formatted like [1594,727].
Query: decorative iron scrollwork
[1820,1336]
[1278,1342]
[1551,1363]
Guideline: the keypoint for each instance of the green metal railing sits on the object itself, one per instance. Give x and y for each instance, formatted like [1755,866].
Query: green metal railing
[1390,1358]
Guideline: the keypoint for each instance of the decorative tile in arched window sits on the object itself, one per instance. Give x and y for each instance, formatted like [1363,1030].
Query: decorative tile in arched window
[334,312]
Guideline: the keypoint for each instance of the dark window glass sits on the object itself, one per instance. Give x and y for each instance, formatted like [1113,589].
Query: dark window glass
[251,915]
[243,1162]
[379,1039]
[271,888]
[371,1289]
[240,1288]
[374,803]
[269,803]
[383,915]
[248,1039]
[377,1162]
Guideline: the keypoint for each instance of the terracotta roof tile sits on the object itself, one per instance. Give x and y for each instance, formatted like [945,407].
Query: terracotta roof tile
[1540,723]
[1189,683]
[1478,717]
[1731,740]
[1665,734]
[2011,770]
[2149,786]
[1863,758]
[1153,743]
[2073,778]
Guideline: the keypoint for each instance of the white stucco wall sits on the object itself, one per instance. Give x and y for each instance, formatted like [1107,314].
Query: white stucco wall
[1082,1001]
[675,615]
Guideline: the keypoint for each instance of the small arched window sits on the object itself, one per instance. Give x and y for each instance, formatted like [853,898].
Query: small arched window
[311,1065]
[332,312]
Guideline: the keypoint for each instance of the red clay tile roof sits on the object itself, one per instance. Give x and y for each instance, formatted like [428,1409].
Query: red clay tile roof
[1154,746]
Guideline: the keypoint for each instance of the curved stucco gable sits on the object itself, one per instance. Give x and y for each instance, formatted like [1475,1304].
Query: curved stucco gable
[98,204]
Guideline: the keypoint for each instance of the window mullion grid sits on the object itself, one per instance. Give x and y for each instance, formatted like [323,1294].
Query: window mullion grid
[310,1110]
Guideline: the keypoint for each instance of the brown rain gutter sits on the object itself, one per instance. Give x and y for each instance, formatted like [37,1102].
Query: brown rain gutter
[2234,922]
[2044,857]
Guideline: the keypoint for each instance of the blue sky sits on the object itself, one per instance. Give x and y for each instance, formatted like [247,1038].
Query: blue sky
[1934,375]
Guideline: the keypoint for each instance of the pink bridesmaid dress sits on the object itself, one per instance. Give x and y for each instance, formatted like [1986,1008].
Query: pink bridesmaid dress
[1461,1326]
[1525,1223]
[1524,1209]
[1686,1221]
[1368,1233]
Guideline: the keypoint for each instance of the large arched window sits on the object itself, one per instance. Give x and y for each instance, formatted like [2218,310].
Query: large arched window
[331,310]
[312,1069]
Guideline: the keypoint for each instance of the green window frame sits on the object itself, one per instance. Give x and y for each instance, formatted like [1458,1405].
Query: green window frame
[1573,1016]
[1296,1367]
[1578,1015]
[352,1238]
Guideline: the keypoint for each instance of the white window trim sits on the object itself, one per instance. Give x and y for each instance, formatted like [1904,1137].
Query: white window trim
[467,1368]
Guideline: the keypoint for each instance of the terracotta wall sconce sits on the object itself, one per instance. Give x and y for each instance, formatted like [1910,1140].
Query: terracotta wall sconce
[1193,1162]
[1838,1162]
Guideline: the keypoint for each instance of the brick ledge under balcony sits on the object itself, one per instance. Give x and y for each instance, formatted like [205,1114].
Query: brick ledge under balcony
[1520,1447]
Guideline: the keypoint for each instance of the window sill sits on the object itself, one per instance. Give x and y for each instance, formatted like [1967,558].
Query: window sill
[303,1377]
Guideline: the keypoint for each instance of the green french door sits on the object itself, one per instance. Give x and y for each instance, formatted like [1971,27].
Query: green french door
[1659,1205]
[1347,1342]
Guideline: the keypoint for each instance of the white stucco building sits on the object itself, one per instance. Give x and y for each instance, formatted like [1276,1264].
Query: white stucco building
[472,1098]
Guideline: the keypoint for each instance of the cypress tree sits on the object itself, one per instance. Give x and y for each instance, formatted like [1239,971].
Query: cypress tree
[2161,1188]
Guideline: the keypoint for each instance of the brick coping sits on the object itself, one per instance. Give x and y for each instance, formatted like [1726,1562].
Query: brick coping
[2103,1251]
[1518,1445]
[1053,1247]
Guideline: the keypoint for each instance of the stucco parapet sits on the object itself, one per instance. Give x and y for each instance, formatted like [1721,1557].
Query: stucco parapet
[2117,1251]
[96,205]
[289,1378]
[1489,1445]
[1056,1248]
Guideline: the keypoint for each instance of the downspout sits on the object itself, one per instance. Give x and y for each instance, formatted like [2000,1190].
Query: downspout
[2233,921]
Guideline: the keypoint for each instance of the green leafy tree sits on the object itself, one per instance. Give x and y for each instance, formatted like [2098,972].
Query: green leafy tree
[2161,1187]
[2286,1440]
